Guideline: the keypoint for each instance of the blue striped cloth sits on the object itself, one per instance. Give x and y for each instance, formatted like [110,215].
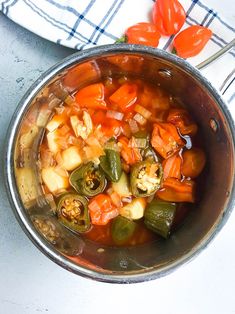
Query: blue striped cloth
[83,24]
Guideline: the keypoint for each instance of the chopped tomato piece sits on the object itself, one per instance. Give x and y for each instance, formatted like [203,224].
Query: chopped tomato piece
[110,127]
[165,139]
[91,96]
[193,162]
[101,209]
[174,190]
[125,96]
[181,119]
[172,167]
[129,153]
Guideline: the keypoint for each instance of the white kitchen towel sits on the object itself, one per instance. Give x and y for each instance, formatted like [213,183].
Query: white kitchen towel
[83,24]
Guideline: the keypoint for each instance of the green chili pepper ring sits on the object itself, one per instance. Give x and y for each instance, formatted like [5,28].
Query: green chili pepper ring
[72,211]
[143,179]
[88,180]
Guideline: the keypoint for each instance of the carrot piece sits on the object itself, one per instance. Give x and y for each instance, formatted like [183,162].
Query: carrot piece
[125,96]
[193,162]
[174,190]
[91,96]
[182,120]
[129,153]
[172,167]
[165,139]
[101,209]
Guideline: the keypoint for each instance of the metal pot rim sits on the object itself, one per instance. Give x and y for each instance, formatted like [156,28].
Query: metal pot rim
[10,183]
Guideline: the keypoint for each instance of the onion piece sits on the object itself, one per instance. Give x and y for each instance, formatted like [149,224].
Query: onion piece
[138,142]
[115,115]
[127,199]
[143,111]
[60,109]
[133,126]
[140,119]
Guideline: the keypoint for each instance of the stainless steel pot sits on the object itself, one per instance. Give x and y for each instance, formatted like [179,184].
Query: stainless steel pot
[33,210]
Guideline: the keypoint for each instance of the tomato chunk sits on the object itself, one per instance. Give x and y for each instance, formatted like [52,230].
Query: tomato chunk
[125,96]
[101,209]
[165,139]
[172,167]
[182,120]
[129,153]
[91,96]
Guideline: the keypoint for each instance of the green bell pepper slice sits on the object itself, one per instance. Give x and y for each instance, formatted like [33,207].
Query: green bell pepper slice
[88,179]
[72,212]
[122,229]
[111,165]
[159,217]
[146,177]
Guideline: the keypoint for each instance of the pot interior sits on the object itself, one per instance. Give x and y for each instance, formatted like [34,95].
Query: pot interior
[215,186]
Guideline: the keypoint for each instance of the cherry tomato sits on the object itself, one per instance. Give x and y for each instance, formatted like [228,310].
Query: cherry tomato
[143,34]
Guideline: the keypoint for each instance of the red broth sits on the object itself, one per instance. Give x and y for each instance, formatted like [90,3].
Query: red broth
[141,124]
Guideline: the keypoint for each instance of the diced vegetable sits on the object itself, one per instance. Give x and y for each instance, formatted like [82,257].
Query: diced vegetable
[54,182]
[122,230]
[71,158]
[133,126]
[72,211]
[91,96]
[101,209]
[174,190]
[172,167]
[88,179]
[159,217]
[125,97]
[111,165]
[130,154]
[165,139]
[82,129]
[55,122]
[134,210]
[52,141]
[140,119]
[145,177]
[115,115]
[194,161]
[143,111]
[122,187]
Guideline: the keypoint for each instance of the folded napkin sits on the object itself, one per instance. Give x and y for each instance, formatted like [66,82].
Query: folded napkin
[83,24]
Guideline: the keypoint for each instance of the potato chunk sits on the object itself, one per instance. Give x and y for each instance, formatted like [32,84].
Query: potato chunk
[71,158]
[53,180]
[134,210]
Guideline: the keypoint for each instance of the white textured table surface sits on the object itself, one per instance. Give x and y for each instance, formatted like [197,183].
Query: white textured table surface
[30,283]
